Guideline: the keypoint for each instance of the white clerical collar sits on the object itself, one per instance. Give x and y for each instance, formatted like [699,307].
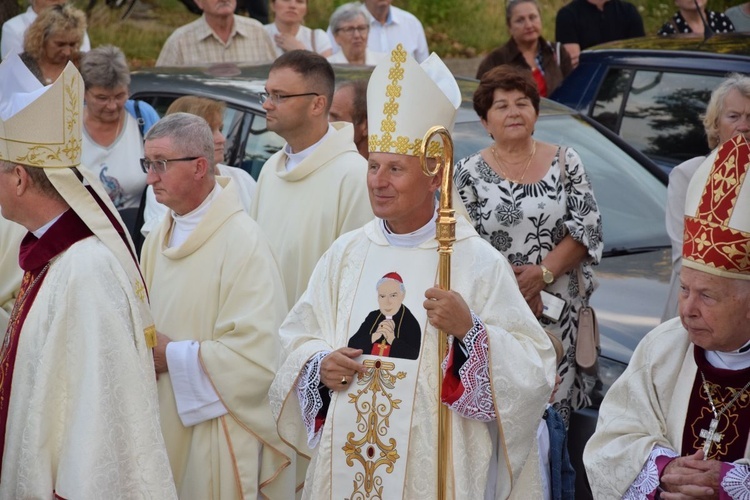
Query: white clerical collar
[184,225]
[734,360]
[40,232]
[294,159]
[410,240]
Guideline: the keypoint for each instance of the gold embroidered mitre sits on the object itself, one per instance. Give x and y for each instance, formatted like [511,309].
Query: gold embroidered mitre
[716,239]
[405,99]
[47,132]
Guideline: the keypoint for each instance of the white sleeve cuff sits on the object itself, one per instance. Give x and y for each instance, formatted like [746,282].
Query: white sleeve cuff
[196,399]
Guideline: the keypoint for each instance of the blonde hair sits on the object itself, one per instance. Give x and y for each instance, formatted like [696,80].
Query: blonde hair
[715,107]
[210,110]
[52,20]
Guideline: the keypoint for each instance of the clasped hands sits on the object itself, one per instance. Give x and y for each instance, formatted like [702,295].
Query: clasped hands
[691,477]
[446,311]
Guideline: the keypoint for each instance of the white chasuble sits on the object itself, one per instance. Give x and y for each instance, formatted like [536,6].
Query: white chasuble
[372,419]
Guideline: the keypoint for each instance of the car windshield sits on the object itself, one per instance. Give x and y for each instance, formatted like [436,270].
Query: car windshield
[631,199]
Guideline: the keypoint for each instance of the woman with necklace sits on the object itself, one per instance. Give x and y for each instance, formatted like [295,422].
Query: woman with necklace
[528,49]
[688,19]
[112,142]
[533,202]
[52,40]
[288,33]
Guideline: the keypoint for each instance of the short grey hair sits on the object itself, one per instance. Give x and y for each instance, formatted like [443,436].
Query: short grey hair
[512,5]
[190,134]
[38,178]
[715,107]
[105,67]
[344,13]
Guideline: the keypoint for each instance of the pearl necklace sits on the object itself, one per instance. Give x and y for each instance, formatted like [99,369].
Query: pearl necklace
[500,164]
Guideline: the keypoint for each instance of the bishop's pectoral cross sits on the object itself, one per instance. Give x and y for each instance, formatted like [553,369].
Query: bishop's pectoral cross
[382,348]
[711,437]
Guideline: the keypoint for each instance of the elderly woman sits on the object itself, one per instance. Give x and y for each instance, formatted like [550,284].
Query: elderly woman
[112,142]
[350,28]
[213,112]
[527,49]
[727,115]
[687,19]
[53,39]
[288,33]
[534,203]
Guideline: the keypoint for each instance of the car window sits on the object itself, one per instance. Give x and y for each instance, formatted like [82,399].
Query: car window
[606,109]
[663,113]
[631,199]
[261,144]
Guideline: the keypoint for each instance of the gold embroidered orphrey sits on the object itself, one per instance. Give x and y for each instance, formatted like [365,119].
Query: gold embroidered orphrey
[45,153]
[710,435]
[374,405]
[402,145]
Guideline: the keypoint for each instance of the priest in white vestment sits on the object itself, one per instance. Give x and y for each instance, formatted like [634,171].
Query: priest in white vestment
[78,406]
[311,191]
[218,300]
[10,274]
[370,422]
[676,424]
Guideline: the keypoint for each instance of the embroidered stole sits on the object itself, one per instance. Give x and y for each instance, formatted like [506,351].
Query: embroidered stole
[372,419]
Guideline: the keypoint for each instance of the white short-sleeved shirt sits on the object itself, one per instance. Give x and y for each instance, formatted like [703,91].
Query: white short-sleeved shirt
[305,35]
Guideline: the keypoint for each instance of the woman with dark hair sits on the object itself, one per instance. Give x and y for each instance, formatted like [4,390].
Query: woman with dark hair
[534,203]
[52,40]
[528,49]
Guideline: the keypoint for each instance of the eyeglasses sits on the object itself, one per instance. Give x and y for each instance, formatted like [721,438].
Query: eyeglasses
[160,166]
[351,29]
[103,100]
[277,99]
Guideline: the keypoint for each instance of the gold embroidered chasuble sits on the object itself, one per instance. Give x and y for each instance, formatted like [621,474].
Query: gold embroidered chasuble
[222,288]
[646,407]
[521,371]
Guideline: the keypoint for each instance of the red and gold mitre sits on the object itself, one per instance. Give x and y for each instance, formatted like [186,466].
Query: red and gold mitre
[716,239]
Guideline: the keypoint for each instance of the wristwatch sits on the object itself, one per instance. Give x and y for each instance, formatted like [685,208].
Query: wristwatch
[547,275]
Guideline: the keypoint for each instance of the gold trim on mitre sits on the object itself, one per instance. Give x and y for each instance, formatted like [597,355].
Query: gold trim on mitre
[403,103]
[47,132]
[716,238]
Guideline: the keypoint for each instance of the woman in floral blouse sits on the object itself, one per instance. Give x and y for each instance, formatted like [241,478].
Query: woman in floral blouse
[534,203]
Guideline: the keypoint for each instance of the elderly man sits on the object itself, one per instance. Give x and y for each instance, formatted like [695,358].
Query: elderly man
[78,408]
[500,366]
[217,299]
[391,26]
[676,424]
[350,105]
[218,36]
[311,191]
[11,40]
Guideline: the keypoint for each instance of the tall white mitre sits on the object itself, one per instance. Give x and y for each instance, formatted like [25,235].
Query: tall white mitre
[406,99]
[41,127]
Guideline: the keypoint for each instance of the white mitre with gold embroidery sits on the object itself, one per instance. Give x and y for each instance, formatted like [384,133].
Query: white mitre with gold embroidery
[41,127]
[406,99]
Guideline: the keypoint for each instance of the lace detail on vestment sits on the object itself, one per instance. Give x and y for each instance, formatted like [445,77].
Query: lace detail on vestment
[736,482]
[308,392]
[648,479]
[476,401]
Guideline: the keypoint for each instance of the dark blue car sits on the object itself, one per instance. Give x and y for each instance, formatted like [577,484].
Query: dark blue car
[653,91]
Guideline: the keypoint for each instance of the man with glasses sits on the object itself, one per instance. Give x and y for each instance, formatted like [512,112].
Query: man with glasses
[390,26]
[312,190]
[350,29]
[217,298]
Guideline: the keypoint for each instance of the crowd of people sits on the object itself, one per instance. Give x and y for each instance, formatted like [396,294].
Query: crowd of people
[262,342]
